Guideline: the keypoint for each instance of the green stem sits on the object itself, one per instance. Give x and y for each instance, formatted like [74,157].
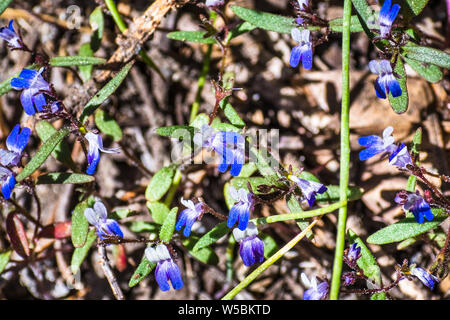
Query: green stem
[173,188]
[252,276]
[122,27]
[300,215]
[345,152]
[230,258]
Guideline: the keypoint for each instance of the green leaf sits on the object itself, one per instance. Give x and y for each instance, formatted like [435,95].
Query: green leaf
[212,236]
[4,258]
[265,20]
[80,225]
[108,125]
[79,254]
[205,255]
[86,71]
[4,4]
[159,211]
[143,270]
[70,61]
[429,72]
[105,92]
[427,55]
[175,131]
[64,177]
[400,104]
[270,245]
[231,114]
[42,154]
[160,183]
[62,151]
[191,36]
[143,226]
[407,228]
[166,232]
[412,8]
[97,23]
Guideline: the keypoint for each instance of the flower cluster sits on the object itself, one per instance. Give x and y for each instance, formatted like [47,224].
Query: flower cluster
[166,269]
[303,51]
[415,203]
[251,248]
[315,291]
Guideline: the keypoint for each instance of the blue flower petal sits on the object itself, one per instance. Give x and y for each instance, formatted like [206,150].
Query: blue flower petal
[380,88]
[233,216]
[11,141]
[26,98]
[181,220]
[385,8]
[8,186]
[28,74]
[369,140]
[113,228]
[246,253]
[19,84]
[175,275]
[394,87]
[161,276]
[296,54]
[307,58]
[393,12]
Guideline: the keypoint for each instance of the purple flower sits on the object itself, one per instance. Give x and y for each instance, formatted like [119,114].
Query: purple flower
[16,142]
[98,218]
[95,146]
[425,277]
[7,181]
[214,3]
[11,37]
[251,247]
[188,216]
[309,188]
[229,145]
[243,206]
[415,203]
[166,268]
[349,278]
[400,157]
[376,144]
[386,81]
[315,291]
[303,4]
[386,17]
[33,85]
[303,51]
[354,253]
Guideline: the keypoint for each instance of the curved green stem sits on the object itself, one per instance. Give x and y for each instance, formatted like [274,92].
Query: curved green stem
[345,152]
[252,276]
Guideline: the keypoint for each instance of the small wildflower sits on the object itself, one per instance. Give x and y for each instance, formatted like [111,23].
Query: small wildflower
[303,4]
[353,254]
[303,51]
[251,247]
[188,216]
[349,278]
[376,144]
[11,37]
[242,208]
[387,16]
[415,203]
[309,188]
[95,146]
[33,85]
[7,182]
[386,82]
[214,3]
[425,277]
[166,269]
[315,291]
[16,142]
[400,157]
[229,145]
[98,218]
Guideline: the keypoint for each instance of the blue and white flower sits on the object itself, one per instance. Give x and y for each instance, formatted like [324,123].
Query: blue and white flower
[354,253]
[11,37]
[98,217]
[242,208]
[386,17]
[415,203]
[303,51]
[309,188]
[386,82]
[315,291]
[229,145]
[166,269]
[95,146]
[32,85]
[251,247]
[425,277]
[400,157]
[15,143]
[188,216]
[214,3]
[7,182]
[376,144]
[302,4]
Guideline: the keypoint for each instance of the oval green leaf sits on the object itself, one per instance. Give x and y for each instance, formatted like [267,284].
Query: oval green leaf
[64,177]
[79,254]
[71,61]
[166,232]
[212,236]
[160,183]
[108,125]
[143,270]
